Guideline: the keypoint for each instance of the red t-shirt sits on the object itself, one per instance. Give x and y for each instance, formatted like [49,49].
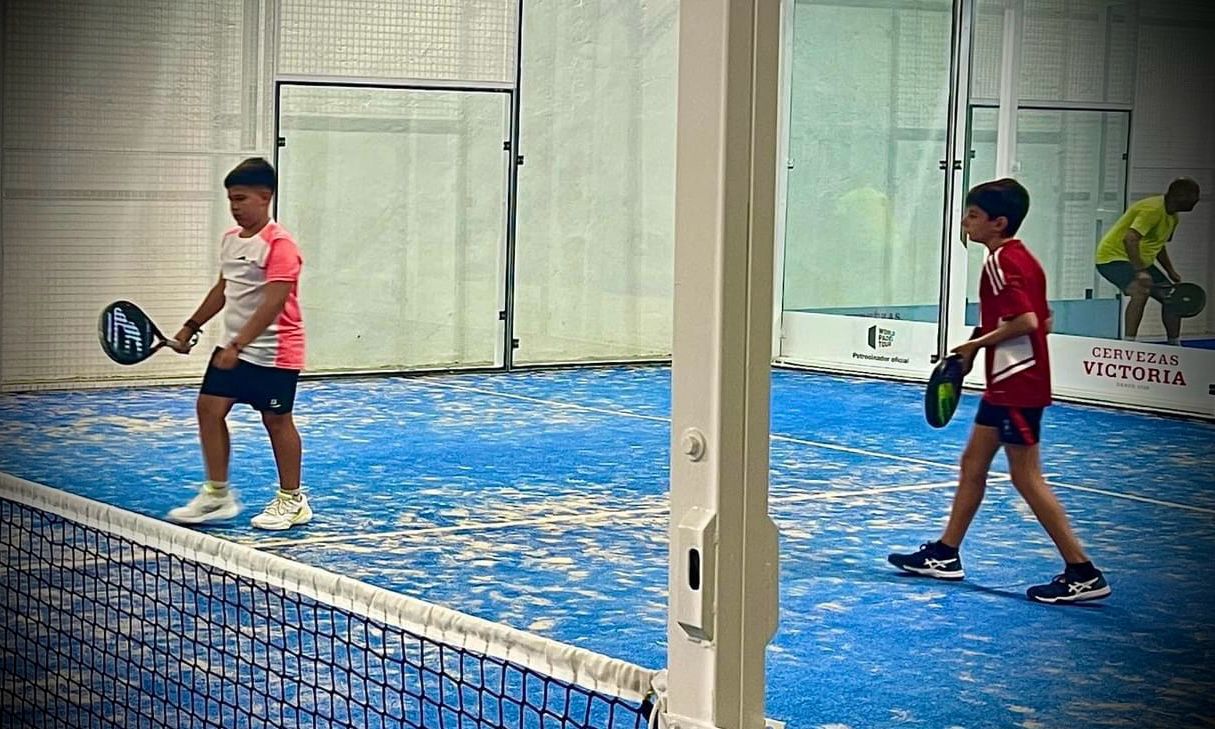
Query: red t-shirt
[1018,369]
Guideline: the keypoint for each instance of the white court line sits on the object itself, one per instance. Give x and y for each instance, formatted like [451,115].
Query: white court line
[667,421]
[876,491]
[1132,497]
[816,444]
[586,517]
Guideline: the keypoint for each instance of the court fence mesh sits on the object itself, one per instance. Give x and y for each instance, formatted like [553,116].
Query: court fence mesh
[113,619]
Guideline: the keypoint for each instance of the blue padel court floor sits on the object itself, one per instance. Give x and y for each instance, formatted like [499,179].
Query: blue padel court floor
[539,499]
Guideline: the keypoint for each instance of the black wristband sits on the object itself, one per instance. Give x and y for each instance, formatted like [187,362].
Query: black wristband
[193,325]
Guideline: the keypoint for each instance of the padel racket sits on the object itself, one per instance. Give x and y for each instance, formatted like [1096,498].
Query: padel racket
[944,391]
[128,336]
[1183,299]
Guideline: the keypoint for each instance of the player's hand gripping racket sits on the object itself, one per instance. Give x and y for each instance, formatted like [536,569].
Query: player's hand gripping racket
[1183,299]
[944,391]
[128,336]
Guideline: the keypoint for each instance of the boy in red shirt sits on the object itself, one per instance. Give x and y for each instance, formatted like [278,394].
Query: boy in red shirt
[1014,322]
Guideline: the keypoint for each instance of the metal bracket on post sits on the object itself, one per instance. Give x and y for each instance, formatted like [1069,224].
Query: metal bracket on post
[696,551]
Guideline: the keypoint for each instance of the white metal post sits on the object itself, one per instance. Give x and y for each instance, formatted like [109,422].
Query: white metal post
[783,167]
[1010,93]
[723,570]
[955,263]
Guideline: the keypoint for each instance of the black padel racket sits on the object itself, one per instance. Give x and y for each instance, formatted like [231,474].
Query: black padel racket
[1184,299]
[128,336]
[944,391]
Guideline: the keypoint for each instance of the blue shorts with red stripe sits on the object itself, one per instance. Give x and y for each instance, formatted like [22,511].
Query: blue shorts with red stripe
[1017,426]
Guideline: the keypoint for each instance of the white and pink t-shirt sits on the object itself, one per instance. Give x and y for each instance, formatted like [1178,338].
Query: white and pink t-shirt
[247,265]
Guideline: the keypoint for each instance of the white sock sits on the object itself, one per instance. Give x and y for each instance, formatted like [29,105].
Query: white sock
[1132,338]
[1175,342]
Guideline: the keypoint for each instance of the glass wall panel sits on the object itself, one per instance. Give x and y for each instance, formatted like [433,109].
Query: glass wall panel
[1073,164]
[397,198]
[869,103]
[597,190]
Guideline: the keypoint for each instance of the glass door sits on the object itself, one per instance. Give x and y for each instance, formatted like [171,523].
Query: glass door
[870,107]
[398,199]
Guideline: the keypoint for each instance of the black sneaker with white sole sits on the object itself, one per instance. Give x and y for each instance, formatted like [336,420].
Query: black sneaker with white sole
[1069,588]
[932,560]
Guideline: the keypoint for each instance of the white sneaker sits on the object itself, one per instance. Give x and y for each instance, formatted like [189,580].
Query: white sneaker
[284,511]
[207,506]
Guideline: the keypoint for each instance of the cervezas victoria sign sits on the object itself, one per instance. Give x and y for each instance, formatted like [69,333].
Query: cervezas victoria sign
[1135,365]
[1139,374]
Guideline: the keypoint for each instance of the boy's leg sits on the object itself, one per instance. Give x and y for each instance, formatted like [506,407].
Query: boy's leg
[1080,580]
[1026,468]
[940,559]
[982,447]
[285,440]
[214,501]
[212,413]
[275,400]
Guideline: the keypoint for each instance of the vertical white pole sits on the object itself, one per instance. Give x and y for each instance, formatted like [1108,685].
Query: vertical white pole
[783,168]
[954,258]
[1010,93]
[723,573]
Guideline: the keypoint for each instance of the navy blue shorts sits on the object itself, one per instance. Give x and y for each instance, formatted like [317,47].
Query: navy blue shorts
[1017,426]
[267,389]
[1122,274]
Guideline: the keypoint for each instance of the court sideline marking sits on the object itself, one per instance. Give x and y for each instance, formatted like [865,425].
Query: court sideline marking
[585,517]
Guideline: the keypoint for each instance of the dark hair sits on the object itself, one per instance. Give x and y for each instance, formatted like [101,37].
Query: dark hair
[1004,198]
[1183,185]
[253,172]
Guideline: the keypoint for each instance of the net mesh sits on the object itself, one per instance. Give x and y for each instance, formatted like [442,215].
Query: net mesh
[443,40]
[115,620]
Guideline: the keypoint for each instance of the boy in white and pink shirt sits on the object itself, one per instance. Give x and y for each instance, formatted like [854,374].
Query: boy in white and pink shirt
[260,352]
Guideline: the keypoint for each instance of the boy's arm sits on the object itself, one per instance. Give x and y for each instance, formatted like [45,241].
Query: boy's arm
[211,305]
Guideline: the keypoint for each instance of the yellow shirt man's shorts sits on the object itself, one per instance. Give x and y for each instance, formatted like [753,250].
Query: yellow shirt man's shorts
[1155,225]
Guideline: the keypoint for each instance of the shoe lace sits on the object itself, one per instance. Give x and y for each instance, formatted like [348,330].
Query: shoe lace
[281,505]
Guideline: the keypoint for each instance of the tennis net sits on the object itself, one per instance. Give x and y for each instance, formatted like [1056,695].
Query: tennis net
[113,619]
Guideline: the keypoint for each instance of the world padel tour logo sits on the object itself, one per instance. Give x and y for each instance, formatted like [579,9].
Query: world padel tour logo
[1134,367]
[880,338]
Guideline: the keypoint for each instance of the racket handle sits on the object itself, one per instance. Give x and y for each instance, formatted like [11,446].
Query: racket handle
[167,342]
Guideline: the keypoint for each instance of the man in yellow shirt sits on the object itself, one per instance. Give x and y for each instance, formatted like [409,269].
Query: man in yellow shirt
[1127,255]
